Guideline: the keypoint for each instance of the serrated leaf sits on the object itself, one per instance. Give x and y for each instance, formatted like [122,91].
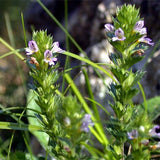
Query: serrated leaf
[130,61]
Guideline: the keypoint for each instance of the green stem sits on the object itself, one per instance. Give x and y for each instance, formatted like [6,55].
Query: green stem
[22,127]
[12,49]
[67,61]
[90,63]
[101,135]
[24,32]
[95,110]
[10,145]
[144,96]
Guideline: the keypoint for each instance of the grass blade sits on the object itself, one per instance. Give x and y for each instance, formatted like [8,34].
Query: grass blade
[24,31]
[143,95]
[12,49]
[89,62]
[88,85]
[93,101]
[18,126]
[100,136]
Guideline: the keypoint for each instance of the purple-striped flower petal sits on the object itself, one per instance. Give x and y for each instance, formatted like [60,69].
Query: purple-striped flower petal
[119,35]
[109,28]
[139,25]
[144,39]
[48,58]
[32,48]
[143,31]
[56,48]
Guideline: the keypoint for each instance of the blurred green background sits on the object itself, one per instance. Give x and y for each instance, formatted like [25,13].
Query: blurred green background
[13,71]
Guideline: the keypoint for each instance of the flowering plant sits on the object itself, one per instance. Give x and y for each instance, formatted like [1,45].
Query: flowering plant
[65,124]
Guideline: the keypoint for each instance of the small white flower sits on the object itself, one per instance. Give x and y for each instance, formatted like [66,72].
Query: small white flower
[142,128]
[67,121]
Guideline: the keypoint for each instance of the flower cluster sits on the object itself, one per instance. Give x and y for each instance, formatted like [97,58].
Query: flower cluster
[134,134]
[139,27]
[48,54]
[153,133]
[119,35]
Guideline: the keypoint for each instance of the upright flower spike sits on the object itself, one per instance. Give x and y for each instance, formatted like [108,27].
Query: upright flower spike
[48,58]
[32,48]
[56,48]
[109,28]
[86,123]
[119,35]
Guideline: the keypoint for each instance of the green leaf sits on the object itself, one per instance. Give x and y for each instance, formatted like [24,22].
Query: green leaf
[130,61]
[154,107]
[119,73]
[42,137]
[22,127]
